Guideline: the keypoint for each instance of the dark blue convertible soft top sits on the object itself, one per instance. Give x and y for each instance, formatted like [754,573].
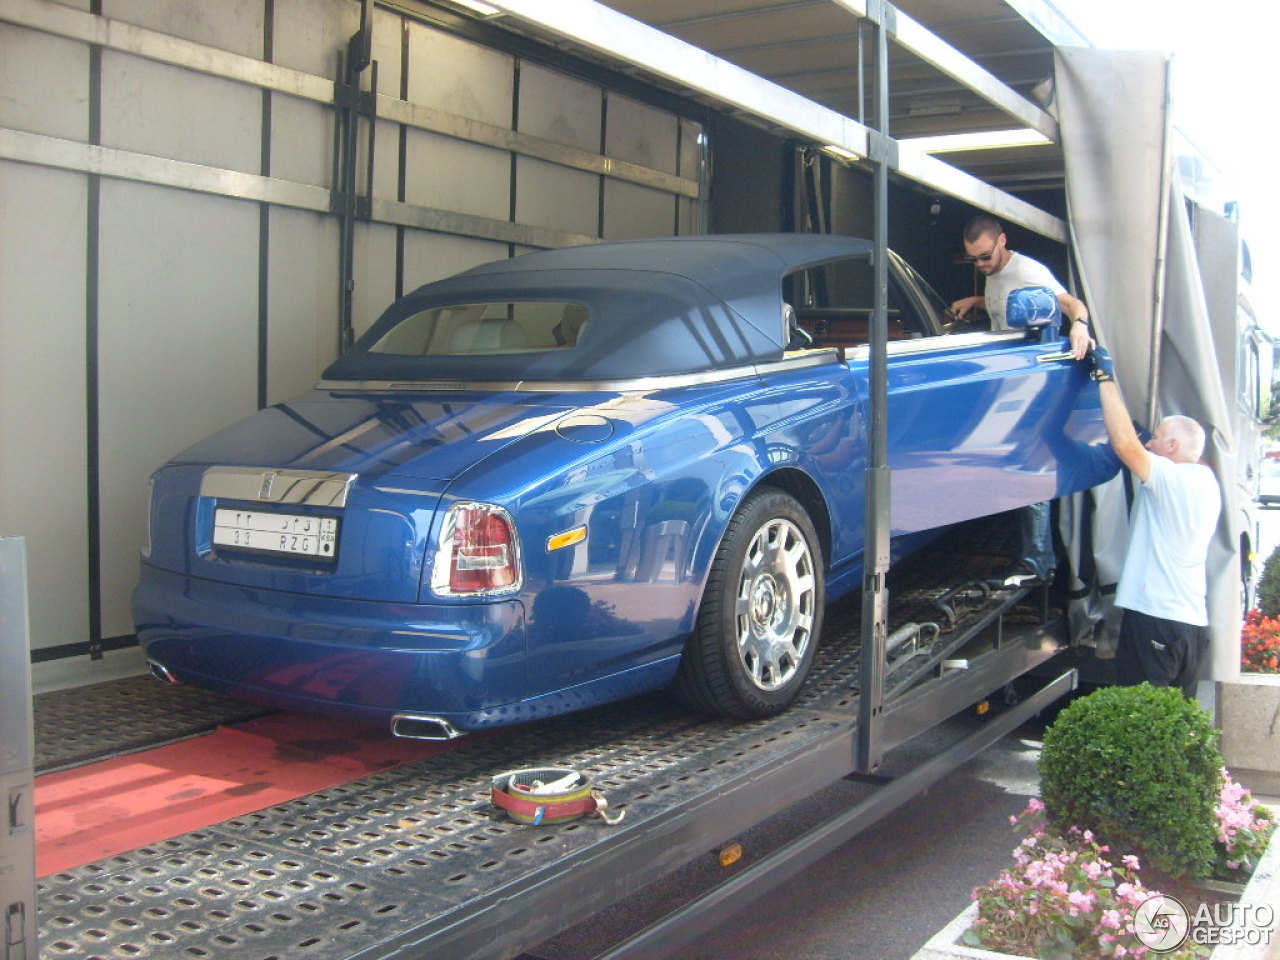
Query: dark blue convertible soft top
[658,307]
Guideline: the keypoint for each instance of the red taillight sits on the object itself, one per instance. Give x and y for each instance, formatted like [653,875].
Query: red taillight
[479,552]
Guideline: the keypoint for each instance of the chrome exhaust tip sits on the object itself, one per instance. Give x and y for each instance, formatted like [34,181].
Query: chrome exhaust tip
[411,726]
[161,672]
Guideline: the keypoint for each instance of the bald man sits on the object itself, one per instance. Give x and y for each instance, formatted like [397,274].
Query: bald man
[1163,585]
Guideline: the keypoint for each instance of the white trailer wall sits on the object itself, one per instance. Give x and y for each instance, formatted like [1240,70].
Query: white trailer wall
[169,262]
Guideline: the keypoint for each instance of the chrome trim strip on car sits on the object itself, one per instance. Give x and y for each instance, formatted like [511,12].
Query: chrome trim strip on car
[799,360]
[277,486]
[931,344]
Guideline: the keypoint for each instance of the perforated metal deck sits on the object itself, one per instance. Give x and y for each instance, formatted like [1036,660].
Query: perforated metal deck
[413,862]
[82,724]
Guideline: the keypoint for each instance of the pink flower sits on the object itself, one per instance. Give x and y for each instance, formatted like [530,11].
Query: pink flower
[1082,900]
[1130,861]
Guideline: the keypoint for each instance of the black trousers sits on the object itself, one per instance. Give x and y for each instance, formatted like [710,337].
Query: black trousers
[1165,653]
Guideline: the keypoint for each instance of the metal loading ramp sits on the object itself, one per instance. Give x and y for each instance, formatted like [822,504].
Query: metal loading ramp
[415,862]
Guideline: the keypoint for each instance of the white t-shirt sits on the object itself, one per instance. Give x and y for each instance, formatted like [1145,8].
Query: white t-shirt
[1019,272]
[1174,516]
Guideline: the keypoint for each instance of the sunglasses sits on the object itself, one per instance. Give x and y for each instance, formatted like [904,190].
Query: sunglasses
[984,257]
[990,255]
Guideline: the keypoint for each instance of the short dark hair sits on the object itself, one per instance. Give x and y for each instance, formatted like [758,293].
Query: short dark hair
[980,226]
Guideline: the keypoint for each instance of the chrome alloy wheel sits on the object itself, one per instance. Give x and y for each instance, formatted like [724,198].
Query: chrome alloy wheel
[775,604]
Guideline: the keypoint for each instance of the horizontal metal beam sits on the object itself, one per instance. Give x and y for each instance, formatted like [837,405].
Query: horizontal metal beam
[504,138]
[60,21]
[72,155]
[620,37]
[469,225]
[933,50]
[926,168]
[1050,23]
[80,157]
[956,690]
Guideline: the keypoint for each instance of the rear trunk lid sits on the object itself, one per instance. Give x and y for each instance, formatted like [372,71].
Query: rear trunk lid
[331,494]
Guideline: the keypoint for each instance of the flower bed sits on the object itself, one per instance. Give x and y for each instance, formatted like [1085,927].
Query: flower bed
[1066,896]
[1260,643]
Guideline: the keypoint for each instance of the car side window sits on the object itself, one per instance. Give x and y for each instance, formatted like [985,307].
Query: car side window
[478,329]
[834,304]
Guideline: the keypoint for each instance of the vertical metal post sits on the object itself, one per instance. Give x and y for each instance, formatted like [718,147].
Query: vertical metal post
[347,104]
[861,115]
[875,591]
[17,780]
[704,183]
[1162,251]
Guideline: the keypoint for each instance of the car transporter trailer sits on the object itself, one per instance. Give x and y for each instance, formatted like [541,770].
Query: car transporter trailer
[416,862]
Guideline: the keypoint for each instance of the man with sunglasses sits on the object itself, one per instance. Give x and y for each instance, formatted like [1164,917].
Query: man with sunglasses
[986,247]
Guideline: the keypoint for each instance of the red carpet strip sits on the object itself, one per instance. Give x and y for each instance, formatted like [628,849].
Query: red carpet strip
[102,809]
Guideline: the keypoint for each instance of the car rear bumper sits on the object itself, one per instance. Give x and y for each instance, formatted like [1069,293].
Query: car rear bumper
[463,663]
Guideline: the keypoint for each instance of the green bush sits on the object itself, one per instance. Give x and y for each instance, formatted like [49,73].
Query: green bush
[1269,586]
[1140,767]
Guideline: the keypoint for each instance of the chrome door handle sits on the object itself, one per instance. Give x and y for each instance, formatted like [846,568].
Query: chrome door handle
[1055,357]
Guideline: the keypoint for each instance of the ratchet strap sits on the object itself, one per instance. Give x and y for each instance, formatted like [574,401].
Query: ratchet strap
[547,794]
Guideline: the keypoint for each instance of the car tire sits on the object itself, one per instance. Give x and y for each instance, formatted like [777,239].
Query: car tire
[761,613]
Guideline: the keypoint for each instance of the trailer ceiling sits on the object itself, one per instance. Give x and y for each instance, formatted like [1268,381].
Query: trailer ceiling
[811,47]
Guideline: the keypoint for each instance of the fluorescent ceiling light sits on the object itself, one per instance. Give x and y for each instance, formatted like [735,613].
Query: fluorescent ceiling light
[478,6]
[841,153]
[988,140]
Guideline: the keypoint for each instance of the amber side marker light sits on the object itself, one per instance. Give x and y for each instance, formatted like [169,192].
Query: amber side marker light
[567,539]
[982,707]
[731,855]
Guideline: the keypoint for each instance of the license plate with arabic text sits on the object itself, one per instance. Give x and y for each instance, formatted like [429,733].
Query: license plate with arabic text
[284,534]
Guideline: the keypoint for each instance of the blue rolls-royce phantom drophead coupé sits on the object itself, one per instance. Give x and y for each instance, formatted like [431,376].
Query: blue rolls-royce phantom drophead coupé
[582,474]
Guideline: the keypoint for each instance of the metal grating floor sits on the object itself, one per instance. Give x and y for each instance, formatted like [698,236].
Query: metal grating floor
[82,724]
[350,870]
[328,874]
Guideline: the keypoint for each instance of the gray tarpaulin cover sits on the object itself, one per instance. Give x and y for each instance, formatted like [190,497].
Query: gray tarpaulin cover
[1138,273]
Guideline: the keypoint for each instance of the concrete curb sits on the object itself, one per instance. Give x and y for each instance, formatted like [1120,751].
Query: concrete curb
[1248,713]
